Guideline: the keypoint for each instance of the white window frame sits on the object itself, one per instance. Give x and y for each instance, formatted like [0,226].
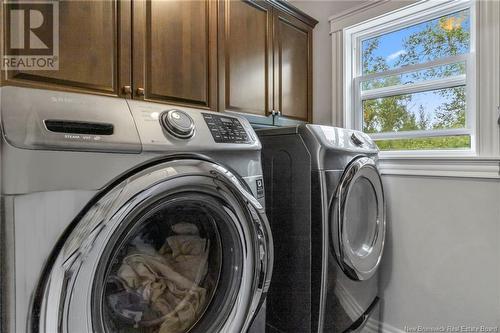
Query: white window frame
[418,13]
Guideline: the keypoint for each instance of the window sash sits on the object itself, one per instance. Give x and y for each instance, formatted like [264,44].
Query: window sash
[430,13]
[387,24]
[422,86]
[453,81]
[404,17]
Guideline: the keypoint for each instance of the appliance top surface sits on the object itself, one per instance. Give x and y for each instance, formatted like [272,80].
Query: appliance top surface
[274,131]
[54,120]
[327,137]
[341,139]
[330,148]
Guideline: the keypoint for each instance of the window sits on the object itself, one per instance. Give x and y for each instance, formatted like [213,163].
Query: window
[411,80]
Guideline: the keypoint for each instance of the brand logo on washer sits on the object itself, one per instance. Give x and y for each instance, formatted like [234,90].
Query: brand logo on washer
[260,188]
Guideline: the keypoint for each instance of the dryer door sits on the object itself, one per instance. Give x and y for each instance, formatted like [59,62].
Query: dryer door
[358,219]
[179,247]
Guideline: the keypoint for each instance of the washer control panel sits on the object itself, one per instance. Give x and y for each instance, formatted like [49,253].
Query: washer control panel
[226,129]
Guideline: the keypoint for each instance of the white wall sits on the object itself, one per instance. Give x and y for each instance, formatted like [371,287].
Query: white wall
[322,53]
[441,264]
[442,259]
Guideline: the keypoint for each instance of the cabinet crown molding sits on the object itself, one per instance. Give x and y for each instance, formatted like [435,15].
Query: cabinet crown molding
[290,9]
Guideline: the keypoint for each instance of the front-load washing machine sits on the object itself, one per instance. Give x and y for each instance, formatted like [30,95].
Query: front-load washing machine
[325,204]
[127,216]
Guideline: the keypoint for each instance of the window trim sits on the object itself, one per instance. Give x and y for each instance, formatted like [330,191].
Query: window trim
[413,14]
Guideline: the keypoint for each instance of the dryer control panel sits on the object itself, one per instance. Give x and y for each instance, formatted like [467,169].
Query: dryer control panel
[225,129]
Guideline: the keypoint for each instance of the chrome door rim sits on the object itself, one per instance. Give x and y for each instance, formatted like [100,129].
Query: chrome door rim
[357,267]
[65,304]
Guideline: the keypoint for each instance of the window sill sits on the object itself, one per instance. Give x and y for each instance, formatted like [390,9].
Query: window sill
[462,167]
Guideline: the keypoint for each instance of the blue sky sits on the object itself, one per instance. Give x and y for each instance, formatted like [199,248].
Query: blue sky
[391,44]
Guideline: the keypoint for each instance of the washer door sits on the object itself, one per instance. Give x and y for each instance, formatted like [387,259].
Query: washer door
[358,219]
[179,247]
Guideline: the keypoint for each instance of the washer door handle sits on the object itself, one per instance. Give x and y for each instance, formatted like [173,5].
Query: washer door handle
[264,261]
[265,249]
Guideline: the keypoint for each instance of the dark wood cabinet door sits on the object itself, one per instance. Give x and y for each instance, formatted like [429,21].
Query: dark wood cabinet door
[293,67]
[94,50]
[175,52]
[246,59]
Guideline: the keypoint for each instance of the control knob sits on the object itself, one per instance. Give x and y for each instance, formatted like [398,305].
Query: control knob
[356,140]
[178,123]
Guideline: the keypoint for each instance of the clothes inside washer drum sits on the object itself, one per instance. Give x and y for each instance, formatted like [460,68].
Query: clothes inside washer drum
[166,282]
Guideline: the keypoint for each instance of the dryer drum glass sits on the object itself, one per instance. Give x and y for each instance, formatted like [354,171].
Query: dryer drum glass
[362,215]
[164,273]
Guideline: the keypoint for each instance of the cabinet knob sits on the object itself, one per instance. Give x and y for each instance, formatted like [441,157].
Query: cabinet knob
[140,91]
[127,90]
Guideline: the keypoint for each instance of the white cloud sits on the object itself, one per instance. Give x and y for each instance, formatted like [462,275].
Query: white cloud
[395,55]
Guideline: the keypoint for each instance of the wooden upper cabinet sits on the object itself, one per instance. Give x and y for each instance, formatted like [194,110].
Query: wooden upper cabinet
[94,50]
[265,53]
[175,52]
[293,67]
[246,57]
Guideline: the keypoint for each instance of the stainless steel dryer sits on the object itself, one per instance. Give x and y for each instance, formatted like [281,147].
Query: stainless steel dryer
[325,204]
[127,216]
